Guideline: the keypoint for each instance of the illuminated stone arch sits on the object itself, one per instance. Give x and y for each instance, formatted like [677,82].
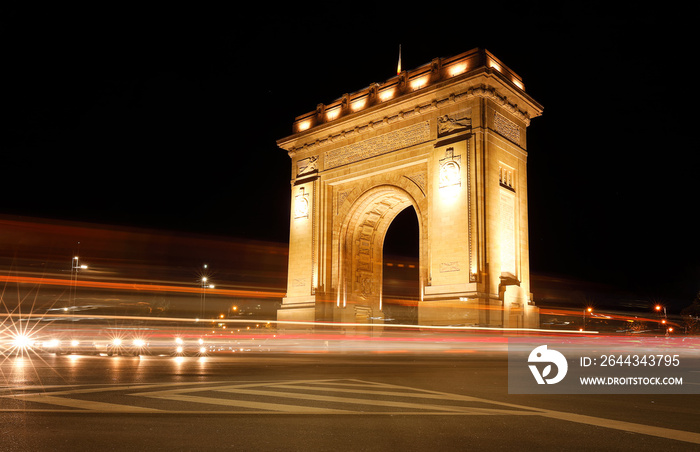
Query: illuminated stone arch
[361,244]
[439,138]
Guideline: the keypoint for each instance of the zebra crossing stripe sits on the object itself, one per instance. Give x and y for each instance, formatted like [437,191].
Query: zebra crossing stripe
[259,406]
[80,404]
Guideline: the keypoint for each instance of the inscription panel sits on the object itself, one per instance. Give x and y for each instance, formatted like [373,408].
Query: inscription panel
[507,128]
[398,139]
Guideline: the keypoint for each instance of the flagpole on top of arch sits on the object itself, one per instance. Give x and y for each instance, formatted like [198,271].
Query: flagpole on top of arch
[398,68]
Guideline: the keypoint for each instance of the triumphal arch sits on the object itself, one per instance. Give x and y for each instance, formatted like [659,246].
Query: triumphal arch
[447,139]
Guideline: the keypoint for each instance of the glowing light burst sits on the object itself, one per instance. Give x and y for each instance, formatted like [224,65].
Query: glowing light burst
[19,333]
[22,342]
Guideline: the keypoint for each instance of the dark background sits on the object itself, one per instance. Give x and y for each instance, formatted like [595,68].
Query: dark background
[168,119]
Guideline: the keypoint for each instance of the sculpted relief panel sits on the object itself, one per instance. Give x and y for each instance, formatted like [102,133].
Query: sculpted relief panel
[448,124]
[307,166]
[398,139]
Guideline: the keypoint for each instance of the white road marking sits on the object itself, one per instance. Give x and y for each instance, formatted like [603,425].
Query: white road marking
[309,390]
[661,432]
[385,393]
[382,403]
[88,405]
[297,409]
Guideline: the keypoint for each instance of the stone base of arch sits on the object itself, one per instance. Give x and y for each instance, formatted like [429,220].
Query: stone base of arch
[478,312]
[451,312]
[518,312]
[298,313]
[468,309]
[318,312]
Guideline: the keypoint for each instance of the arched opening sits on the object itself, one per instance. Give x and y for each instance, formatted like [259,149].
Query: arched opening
[400,283]
[363,236]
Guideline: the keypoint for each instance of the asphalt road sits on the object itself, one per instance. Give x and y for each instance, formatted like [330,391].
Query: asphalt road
[318,402]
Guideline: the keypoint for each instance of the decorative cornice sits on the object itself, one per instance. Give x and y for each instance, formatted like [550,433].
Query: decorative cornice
[486,92]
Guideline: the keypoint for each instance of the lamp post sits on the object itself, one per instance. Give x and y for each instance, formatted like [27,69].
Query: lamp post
[589,310]
[658,309]
[76,266]
[205,286]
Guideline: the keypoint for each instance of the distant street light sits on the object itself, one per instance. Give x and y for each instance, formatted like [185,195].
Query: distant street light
[76,266]
[589,310]
[658,308]
[205,286]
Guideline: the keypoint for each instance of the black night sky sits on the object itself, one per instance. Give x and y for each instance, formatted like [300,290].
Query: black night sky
[169,120]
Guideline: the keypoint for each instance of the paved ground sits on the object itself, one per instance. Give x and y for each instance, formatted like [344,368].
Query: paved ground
[445,401]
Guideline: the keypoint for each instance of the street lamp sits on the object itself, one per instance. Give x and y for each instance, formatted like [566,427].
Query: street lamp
[205,286]
[658,309]
[589,310]
[76,266]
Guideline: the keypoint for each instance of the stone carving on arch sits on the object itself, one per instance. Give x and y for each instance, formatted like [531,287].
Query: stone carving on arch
[361,236]
[448,124]
[412,181]
[420,179]
[341,197]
